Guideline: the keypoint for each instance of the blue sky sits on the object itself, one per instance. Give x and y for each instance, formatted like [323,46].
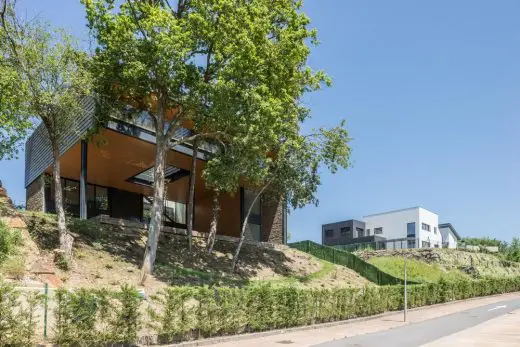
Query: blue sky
[430,91]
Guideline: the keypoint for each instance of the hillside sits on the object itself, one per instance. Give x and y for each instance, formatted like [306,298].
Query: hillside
[433,264]
[108,256]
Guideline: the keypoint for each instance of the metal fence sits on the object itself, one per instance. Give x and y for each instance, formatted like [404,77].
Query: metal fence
[404,243]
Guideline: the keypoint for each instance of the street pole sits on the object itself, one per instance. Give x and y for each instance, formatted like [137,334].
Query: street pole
[405,290]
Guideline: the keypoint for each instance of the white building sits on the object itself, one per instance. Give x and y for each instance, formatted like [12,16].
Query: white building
[413,227]
[450,237]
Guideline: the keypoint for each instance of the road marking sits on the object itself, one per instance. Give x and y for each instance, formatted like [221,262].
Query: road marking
[498,307]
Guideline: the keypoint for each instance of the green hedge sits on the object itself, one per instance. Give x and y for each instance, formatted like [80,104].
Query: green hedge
[350,260]
[88,317]
[189,312]
[18,316]
[98,317]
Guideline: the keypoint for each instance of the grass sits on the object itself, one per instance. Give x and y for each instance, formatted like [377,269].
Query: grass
[326,269]
[417,271]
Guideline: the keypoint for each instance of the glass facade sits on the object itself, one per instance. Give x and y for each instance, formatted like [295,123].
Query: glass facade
[410,229]
[254,222]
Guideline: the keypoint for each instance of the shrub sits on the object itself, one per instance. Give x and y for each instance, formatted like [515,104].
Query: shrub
[17,316]
[95,317]
[9,240]
[14,267]
[190,312]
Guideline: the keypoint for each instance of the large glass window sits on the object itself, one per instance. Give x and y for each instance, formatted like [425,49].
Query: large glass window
[410,229]
[254,222]
[360,232]
[174,212]
[329,233]
[97,200]
[378,230]
[425,227]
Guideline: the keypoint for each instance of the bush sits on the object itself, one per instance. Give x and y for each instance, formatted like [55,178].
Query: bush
[14,267]
[9,240]
[17,316]
[95,317]
[193,312]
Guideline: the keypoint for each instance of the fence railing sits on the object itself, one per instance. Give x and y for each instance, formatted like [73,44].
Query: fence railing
[403,243]
[352,261]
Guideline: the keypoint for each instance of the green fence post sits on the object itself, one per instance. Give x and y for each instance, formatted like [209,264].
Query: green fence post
[45,305]
[334,256]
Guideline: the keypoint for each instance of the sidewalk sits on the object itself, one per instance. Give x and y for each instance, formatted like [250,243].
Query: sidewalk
[315,335]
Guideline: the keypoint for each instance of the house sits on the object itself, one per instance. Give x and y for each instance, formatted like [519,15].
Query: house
[346,232]
[413,227]
[450,237]
[112,174]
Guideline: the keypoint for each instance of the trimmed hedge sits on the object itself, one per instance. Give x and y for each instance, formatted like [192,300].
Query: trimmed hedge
[88,317]
[99,317]
[350,260]
[18,316]
[203,312]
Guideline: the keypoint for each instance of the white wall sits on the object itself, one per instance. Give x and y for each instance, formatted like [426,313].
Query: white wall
[449,237]
[394,225]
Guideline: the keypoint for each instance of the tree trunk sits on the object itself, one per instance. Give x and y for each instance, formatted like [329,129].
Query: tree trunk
[154,228]
[244,227]
[214,221]
[191,193]
[66,239]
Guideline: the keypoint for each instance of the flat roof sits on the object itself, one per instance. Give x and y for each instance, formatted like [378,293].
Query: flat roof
[395,211]
[343,221]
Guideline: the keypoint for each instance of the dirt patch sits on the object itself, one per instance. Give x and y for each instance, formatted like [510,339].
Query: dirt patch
[106,256]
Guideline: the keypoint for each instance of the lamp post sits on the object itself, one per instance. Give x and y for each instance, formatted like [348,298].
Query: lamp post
[405,290]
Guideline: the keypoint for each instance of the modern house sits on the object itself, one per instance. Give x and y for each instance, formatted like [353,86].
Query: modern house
[418,226]
[346,232]
[112,174]
[413,227]
[450,237]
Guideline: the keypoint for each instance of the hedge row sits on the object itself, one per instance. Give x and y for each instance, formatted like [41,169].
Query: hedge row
[93,317]
[350,260]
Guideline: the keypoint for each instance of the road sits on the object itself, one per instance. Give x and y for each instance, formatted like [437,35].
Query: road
[421,333]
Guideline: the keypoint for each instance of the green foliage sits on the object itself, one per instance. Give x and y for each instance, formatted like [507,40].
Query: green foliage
[483,241]
[417,271]
[45,74]
[512,251]
[14,267]
[95,317]
[350,260]
[188,312]
[18,317]
[10,239]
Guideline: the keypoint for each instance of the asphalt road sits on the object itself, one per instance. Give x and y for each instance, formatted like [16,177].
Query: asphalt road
[414,335]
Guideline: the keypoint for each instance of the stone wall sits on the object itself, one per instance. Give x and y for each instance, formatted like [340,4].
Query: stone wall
[35,195]
[272,214]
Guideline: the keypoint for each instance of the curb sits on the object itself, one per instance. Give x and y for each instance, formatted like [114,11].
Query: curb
[241,337]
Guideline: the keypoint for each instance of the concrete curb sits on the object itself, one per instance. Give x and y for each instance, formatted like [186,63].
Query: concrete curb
[241,337]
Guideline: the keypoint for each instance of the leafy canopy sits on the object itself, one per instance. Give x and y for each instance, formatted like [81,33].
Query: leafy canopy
[44,75]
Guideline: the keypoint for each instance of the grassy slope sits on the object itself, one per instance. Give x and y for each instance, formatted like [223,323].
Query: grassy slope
[431,264]
[106,257]
[418,271]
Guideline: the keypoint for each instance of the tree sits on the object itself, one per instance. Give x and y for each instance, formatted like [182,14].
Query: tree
[52,78]
[291,173]
[226,64]
[13,127]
